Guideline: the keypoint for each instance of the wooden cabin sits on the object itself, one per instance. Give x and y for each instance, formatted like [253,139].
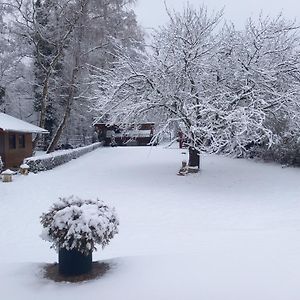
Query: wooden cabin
[139,135]
[16,140]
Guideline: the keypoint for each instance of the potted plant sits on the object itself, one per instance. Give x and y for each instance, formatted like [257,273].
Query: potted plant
[75,226]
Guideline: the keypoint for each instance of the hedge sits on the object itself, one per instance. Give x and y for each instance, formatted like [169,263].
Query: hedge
[49,161]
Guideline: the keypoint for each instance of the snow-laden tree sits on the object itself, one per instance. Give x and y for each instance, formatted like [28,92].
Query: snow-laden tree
[174,82]
[258,71]
[4,44]
[102,27]
[62,39]
[45,28]
[47,62]
[14,92]
[226,89]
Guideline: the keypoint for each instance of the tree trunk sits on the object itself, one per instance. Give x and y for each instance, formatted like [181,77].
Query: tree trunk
[72,87]
[194,160]
[59,130]
[67,112]
[43,108]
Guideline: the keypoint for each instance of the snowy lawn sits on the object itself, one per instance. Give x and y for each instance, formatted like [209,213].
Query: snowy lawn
[231,232]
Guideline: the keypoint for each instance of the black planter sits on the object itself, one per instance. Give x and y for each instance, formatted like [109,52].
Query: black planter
[73,262]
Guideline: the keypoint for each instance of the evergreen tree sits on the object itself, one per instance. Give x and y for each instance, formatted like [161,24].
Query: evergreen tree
[44,52]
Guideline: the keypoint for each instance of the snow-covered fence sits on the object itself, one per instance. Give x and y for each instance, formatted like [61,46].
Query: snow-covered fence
[49,161]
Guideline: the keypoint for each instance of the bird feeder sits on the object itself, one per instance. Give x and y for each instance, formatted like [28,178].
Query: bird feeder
[7,175]
[24,169]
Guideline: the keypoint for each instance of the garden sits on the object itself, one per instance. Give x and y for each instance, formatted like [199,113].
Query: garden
[230,231]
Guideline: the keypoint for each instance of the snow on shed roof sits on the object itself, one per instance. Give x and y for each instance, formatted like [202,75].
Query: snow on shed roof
[9,123]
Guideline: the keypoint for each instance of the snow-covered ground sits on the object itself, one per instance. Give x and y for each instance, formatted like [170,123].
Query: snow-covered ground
[231,232]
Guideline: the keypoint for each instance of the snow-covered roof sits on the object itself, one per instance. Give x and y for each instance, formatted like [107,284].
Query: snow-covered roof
[9,123]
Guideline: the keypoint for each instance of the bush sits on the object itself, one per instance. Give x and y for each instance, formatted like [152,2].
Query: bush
[286,151]
[74,223]
[52,160]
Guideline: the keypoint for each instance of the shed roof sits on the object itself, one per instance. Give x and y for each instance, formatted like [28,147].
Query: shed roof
[9,123]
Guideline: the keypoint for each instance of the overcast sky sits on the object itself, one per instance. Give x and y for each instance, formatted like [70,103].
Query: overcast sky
[151,13]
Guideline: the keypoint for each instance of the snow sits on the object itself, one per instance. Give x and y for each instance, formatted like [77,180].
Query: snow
[9,123]
[8,172]
[230,232]
[130,133]
[24,166]
[41,155]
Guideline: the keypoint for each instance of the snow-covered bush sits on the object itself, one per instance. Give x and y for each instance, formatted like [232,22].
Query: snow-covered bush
[75,223]
[286,151]
[49,161]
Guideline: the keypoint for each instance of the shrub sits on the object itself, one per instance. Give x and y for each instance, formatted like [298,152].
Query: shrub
[52,160]
[286,151]
[74,223]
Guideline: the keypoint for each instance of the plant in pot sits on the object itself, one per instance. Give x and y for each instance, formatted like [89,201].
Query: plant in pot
[75,226]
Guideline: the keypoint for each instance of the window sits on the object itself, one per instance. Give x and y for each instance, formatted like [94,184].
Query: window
[21,140]
[12,141]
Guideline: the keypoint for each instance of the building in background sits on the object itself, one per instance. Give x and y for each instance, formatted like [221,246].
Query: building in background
[135,135]
[16,140]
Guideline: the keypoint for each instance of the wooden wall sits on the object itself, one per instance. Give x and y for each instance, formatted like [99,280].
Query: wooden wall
[131,139]
[13,158]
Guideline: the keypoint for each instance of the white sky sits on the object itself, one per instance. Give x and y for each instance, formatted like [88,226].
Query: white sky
[151,13]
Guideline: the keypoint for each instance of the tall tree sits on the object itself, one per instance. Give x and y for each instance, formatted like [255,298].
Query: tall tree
[173,82]
[44,51]
[63,39]
[14,92]
[46,26]
[102,28]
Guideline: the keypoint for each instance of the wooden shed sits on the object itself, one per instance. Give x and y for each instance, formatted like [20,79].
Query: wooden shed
[139,135]
[16,140]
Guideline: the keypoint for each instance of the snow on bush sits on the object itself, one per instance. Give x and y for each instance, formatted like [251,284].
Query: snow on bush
[285,151]
[49,161]
[74,223]
[1,164]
